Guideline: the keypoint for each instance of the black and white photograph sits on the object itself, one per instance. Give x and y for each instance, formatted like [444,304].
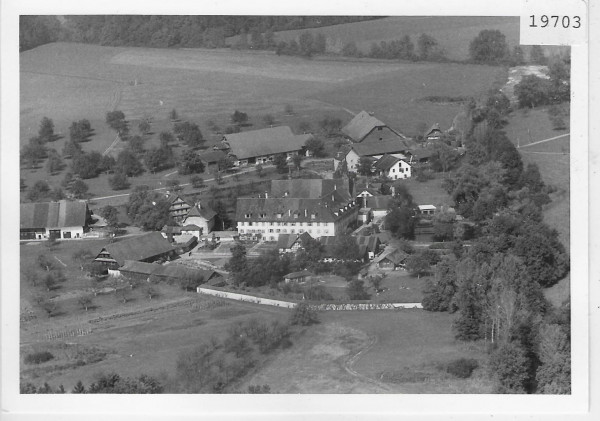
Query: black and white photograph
[337,203]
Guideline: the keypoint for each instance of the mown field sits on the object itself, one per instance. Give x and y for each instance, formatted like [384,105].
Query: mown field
[454,33]
[68,82]
[400,352]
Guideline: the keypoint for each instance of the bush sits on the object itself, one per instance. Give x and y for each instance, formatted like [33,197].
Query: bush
[304,315]
[462,367]
[38,357]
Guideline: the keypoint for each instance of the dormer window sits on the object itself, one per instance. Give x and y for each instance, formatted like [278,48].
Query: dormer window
[279,215]
[295,216]
[263,215]
[248,215]
[313,216]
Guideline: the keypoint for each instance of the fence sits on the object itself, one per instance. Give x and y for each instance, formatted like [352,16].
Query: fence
[68,333]
[320,307]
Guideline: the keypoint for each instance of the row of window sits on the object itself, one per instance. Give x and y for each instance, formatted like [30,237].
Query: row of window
[284,231]
[283,224]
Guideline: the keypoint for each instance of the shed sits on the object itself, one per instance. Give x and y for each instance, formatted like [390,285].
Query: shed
[298,277]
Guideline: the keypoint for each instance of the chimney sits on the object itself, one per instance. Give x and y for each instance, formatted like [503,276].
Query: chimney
[305,213]
[266,195]
[286,194]
[334,186]
[289,212]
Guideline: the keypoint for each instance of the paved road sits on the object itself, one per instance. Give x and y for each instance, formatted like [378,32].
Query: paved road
[544,140]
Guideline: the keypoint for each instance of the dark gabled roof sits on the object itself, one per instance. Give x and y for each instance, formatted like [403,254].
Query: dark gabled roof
[54,214]
[386,162]
[395,256]
[262,142]
[139,248]
[212,157]
[376,202]
[384,237]
[202,211]
[310,188]
[369,241]
[434,128]
[172,198]
[286,241]
[290,209]
[301,274]
[172,270]
[383,147]
[361,125]
[421,153]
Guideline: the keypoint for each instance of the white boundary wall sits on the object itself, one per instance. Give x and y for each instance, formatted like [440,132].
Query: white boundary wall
[321,307]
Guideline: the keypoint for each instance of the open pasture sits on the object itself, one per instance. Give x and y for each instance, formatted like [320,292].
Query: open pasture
[453,33]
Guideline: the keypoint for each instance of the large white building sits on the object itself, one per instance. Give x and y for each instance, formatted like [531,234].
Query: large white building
[318,207]
[60,220]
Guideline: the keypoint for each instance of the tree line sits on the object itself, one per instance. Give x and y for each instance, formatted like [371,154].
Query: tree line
[495,285]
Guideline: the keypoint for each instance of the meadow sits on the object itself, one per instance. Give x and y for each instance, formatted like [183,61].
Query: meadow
[67,82]
[454,33]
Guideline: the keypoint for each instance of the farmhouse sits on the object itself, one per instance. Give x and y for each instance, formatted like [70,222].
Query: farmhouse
[434,133]
[397,147]
[419,155]
[390,259]
[298,277]
[143,248]
[316,206]
[178,207]
[62,219]
[201,216]
[261,146]
[392,167]
[366,128]
[291,243]
[427,210]
[143,271]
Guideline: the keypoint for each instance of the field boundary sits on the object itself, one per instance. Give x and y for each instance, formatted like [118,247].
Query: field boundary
[543,140]
[319,307]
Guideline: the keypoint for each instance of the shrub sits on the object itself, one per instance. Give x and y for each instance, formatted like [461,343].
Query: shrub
[462,367]
[38,357]
[304,315]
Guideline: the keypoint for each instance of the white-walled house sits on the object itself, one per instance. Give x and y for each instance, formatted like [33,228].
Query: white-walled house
[61,220]
[201,216]
[393,167]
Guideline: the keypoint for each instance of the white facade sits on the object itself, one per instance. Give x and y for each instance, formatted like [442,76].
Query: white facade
[270,230]
[352,159]
[399,170]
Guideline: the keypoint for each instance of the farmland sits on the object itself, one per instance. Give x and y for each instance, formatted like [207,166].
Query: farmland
[205,85]
[453,33]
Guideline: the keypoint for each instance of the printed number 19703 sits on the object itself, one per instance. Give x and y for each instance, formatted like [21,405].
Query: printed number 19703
[556,21]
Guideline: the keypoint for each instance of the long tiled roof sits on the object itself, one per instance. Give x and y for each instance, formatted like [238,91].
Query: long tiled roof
[394,255]
[212,156]
[309,188]
[202,211]
[139,248]
[54,214]
[376,202]
[386,162]
[286,241]
[383,147]
[290,209]
[270,141]
[361,125]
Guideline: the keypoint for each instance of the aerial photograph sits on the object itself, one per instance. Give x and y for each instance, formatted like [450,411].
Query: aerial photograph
[222,204]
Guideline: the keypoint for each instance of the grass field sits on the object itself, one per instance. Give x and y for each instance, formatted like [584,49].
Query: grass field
[453,33]
[68,82]
[402,352]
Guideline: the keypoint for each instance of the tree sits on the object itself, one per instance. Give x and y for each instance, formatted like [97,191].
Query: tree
[356,290]
[166,138]
[330,125]
[55,163]
[239,118]
[305,42]
[158,159]
[259,170]
[315,146]
[85,302]
[418,264]
[196,181]
[33,152]
[46,131]
[39,190]
[173,116]
[110,215]
[86,165]
[136,145]
[425,45]
[78,189]
[304,315]
[174,185]
[128,164]
[509,366]
[116,121]
[346,248]
[281,164]
[532,91]
[189,134]
[82,256]
[118,181]
[190,163]
[439,296]
[80,131]
[144,126]
[365,165]
[554,374]
[71,148]
[489,47]
[400,222]
[79,387]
